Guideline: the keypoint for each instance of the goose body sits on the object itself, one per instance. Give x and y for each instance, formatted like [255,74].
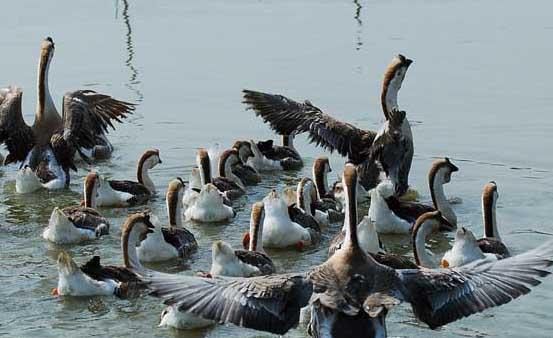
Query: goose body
[75,225]
[385,220]
[93,279]
[192,191]
[226,182]
[209,206]
[285,157]
[48,147]
[261,163]
[464,251]
[279,231]
[390,150]
[170,242]
[350,294]
[118,193]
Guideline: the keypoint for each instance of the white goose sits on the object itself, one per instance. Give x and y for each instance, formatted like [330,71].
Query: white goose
[209,206]
[192,191]
[173,241]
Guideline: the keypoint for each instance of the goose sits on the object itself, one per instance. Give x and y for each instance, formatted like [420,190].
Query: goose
[305,195]
[93,279]
[173,241]
[279,231]
[117,193]
[439,174]
[192,191]
[245,172]
[324,200]
[350,294]
[385,220]
[392,146]
[367,235]
[226,182]
[47,148]
[261,163]
[286,155]
[209,206]
[491,243]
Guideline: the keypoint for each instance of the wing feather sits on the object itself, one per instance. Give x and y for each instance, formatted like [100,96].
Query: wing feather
[14,132]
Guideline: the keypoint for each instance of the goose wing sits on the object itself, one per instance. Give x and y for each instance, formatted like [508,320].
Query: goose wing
[14,132]
[268,303]
[286,116]
[86,218]
[442,296]
[86,115]
[407,210]
[257,259]
[180,238]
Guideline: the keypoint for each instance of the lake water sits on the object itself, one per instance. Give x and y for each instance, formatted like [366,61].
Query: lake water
[478,92]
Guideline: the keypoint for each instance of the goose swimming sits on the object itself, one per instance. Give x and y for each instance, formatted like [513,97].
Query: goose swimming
[491,243]
[285,156]
[245,172]
[170,242]
[227,183]
[118,193]
[351,293]
[305,195]
[392,147]
[324,200]
[93,279]
[46,149]
[209,206]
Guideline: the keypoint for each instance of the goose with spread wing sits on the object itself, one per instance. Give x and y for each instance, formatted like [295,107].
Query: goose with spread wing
[351,293]
[288,117]
[46,149]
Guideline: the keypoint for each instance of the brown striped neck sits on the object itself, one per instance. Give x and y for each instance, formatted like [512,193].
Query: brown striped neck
[91,183]
[173,200]
[391,84]
[202,161]
[228,158]
[440,174]
[47,118]
[321,168]
[425,225]
[147,161]
[244,150]
[256,228]
[134,230]
[350,186]
[489,200]
[303,195]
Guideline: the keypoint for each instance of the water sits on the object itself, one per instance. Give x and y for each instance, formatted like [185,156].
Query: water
[479,92]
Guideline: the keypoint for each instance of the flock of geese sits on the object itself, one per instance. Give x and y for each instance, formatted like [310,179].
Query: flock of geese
[349,295]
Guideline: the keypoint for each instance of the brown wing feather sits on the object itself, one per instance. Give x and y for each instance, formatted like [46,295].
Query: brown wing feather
[494,246]
[257,259]
[287,116]
[139,191]
[406,210]
[182,239]
[86,218]
[14,132]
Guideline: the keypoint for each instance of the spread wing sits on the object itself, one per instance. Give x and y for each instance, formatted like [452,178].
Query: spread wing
[442,296]
[14,132]
[268,303]
[286,116]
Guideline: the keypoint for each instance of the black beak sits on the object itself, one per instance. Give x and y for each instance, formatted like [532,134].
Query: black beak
[160,161]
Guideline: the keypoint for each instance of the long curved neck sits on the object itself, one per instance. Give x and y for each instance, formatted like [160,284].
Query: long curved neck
[490,223]
[243,153]
[174,210]
[422,258]
[388,97]
[47,118]
[143,176]
[303,196]
[205,170]
[439,199]
[350,221]
[321,182]
[90,195]
[256,233]
[128,245]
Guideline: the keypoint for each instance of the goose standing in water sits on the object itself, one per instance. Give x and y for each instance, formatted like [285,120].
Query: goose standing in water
[173,241]
[351,293]
[491,243]
[75,224]
[46,150]
[245,172]
[118,193]
[286,157]
[93,279]
[226,182]
[392,147]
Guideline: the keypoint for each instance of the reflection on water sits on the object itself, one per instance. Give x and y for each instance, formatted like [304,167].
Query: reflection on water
[133,82]
[359,31]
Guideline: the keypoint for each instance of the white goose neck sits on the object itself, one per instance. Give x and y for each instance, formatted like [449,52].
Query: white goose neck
[425,260]
[144,177]
[442,204]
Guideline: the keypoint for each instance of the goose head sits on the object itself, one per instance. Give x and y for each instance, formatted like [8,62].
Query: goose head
[134,230]
[244,149]
[391,84]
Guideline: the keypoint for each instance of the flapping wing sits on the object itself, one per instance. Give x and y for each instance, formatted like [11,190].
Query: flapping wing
[14,132]
[327,291]
[442,296]
[286,116]
[268,303]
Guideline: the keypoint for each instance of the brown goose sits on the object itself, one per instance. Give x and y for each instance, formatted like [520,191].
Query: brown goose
[246,173]
[173,241]
[119,193]
[46,150]
[351,293]
[94,279]
[253,261]
[287,157]
[394,153]
[75,224]
[226,181]
[491,243]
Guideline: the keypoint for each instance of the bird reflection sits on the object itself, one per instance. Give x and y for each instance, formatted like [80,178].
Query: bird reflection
[134,82]
[357,18]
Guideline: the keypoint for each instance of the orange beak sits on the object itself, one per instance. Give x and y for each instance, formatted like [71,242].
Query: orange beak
[444,263]
[246,241]
[55,292]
